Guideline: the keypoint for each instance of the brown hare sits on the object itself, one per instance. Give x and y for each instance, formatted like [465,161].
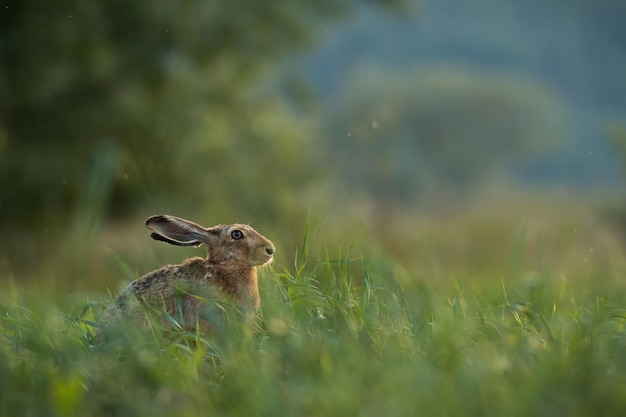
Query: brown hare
[227,273]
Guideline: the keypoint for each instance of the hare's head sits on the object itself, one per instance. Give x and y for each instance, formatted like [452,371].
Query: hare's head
[234,243]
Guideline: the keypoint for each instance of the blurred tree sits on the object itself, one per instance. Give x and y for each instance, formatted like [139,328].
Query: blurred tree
[400,135]
[102,101]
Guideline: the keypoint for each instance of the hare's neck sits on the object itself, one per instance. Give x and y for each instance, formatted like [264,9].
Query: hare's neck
[243,285]
[250,292]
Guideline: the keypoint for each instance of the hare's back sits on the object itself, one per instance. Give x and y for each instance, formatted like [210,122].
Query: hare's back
[173,288]
[171,280]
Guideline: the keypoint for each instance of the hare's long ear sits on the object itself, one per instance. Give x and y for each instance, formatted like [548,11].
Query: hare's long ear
[177,231]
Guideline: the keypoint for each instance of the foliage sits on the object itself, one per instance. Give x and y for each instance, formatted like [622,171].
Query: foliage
[113,93]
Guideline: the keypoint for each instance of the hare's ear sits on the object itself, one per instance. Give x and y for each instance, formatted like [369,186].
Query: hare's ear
[158,237]
[177,231]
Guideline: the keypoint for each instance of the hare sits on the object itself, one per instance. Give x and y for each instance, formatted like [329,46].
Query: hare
[227,273]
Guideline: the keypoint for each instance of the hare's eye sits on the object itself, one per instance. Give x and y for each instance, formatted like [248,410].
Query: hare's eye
[236,234]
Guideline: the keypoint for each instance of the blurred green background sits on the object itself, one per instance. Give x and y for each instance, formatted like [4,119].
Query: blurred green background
[430,133]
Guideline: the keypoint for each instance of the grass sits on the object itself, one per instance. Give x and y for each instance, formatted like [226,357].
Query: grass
[358,337]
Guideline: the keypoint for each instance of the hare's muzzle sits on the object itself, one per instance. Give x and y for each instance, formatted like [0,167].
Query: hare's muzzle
[261,249]
[266,253]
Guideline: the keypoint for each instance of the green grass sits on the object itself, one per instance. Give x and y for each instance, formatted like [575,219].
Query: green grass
[337,337]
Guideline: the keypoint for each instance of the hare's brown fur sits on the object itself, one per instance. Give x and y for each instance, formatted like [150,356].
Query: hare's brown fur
[228,273]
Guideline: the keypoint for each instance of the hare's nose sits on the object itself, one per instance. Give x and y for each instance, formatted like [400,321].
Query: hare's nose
[269,251]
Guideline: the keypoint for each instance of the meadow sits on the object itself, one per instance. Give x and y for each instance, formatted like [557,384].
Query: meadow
[470,317]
